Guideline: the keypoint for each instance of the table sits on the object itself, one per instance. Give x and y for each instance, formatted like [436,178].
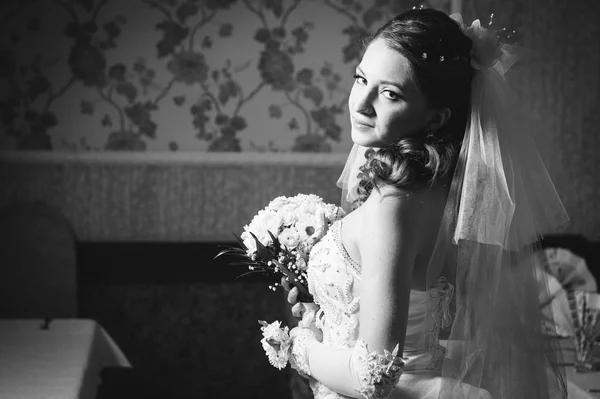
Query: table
[579,383]
[61,362]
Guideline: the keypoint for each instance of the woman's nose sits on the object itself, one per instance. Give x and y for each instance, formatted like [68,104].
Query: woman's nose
[363,103]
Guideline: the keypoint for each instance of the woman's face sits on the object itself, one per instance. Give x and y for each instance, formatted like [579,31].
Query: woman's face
[385,103]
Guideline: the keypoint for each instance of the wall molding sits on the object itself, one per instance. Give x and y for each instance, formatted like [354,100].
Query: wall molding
[163,196]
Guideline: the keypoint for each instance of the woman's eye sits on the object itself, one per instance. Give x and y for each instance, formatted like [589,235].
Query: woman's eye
[360,79]
[390,95]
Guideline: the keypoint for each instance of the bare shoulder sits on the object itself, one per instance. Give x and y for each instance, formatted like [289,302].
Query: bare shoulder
[414,215]
[396,204]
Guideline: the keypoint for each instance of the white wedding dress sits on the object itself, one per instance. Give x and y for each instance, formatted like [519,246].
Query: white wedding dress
[334,281]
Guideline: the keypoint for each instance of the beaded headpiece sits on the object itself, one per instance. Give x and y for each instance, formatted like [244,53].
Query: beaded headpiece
[487,44]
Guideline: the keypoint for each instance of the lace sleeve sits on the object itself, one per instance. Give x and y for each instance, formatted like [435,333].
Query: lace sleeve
[352,372]
[301,339]
[378,373]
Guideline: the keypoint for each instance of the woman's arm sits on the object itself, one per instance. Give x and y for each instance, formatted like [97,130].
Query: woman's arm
[388,248]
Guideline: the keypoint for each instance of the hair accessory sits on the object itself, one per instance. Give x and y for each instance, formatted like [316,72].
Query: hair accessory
[487,49]
[424,56]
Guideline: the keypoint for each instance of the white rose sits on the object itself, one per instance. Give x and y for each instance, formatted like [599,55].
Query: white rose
[260,231]
[307,207]
[301,214]
[264,237]
[333,212]
[300,197]
[249,242]
[289,238]
[288,216]
[263,221]
[258,221]
[278,202]
[273,223]
[291,207]
[301,264]
[314,198]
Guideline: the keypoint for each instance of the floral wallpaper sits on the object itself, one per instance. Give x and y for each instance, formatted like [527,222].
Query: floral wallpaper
[192,75]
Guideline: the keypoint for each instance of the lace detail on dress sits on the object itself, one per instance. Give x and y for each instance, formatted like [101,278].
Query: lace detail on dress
[441,317]
[336,232]
[334,280]
[334,287]
[301,337]
[437,315]
[378,373]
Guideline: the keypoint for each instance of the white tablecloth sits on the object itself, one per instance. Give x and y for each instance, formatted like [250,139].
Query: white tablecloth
[580,383]
[62,362]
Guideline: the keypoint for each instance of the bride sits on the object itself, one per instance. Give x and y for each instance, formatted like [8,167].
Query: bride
[447,200]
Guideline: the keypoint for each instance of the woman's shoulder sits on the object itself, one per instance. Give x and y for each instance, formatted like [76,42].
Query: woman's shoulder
[414,216]
[392,202]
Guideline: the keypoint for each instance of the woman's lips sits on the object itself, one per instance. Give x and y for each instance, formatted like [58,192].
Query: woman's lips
[360,124]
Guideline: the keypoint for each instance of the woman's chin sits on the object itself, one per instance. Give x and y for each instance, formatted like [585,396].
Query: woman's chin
[363,139]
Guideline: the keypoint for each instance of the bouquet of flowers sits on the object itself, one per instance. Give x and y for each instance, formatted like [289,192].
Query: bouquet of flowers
[276,342]
[278,241]
[280,237]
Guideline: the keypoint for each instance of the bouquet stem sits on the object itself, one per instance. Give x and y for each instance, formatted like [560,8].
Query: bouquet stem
[304,296]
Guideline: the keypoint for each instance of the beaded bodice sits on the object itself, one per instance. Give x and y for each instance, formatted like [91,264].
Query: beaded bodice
[334,281]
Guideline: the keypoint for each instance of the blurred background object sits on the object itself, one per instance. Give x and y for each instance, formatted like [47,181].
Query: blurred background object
[38,276]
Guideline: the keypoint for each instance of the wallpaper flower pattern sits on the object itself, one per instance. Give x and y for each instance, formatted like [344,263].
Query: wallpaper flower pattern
[208,75]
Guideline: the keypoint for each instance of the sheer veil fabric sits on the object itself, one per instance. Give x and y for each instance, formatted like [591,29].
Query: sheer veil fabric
[500,202]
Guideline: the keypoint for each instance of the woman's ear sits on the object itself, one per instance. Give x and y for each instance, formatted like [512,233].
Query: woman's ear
[438,119]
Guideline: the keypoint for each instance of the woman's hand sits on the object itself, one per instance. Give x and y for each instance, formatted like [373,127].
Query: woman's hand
[292,296]
[302,310]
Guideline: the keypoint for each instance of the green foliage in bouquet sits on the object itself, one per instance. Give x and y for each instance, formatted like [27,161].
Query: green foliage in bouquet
[270,260]
[280,237]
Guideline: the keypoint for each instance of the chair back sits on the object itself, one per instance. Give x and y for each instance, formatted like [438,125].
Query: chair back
[38,260]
